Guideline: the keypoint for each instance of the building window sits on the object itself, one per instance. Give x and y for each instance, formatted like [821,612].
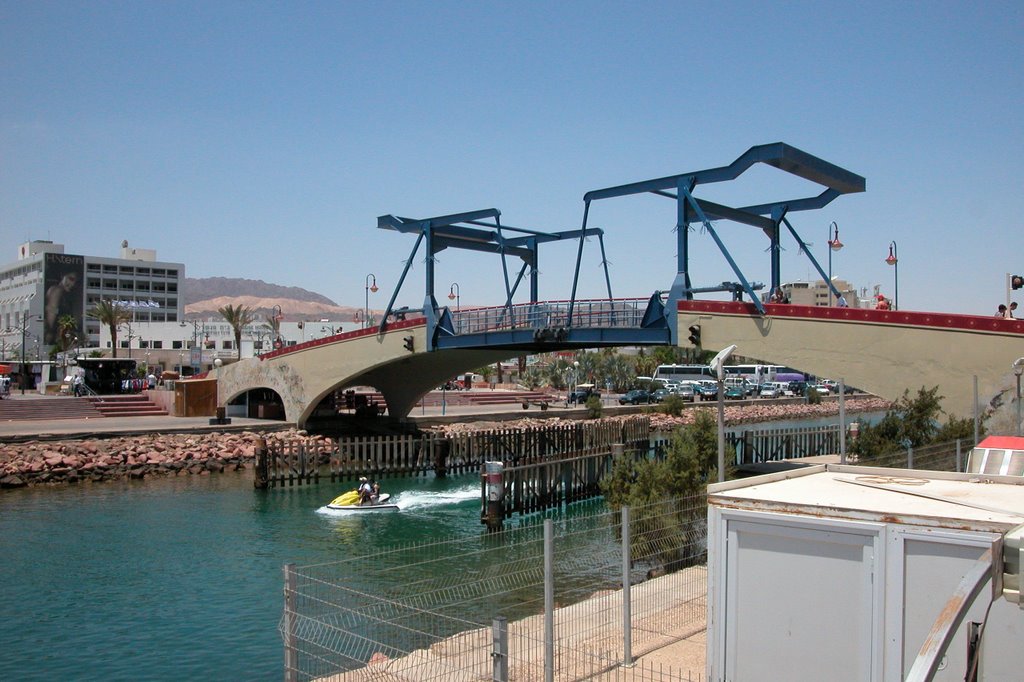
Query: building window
[177,345]
[158,345]
[228,345]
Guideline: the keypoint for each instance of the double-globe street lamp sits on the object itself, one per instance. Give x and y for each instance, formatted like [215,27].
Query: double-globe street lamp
[195,353]
[833,245]
[893,260]
[25,319]
[371,285]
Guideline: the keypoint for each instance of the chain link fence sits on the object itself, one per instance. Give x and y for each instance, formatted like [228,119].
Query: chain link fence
[946,456]
[543,601]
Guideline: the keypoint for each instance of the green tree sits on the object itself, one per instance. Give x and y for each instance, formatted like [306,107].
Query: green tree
[666,524]
[67,332]
[113,315]
[910,419]
[238,317]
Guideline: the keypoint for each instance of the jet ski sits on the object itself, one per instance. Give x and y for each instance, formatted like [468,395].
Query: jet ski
[349,501]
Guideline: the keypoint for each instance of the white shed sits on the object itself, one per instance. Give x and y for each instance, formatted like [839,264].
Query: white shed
[840,572]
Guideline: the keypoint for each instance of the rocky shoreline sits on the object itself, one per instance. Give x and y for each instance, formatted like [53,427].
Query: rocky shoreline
[36,463]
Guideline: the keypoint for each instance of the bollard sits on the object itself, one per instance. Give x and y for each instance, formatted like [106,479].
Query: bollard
[262,475]
[494,490]
[440,453]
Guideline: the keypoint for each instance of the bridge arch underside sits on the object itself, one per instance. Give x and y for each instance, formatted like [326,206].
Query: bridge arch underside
[260,402]
[882,352]
[304,378]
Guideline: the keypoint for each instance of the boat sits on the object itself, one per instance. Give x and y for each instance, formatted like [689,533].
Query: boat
[349,501]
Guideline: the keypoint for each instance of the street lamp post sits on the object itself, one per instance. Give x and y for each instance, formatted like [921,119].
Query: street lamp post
[277,316]
[717,366]
[25,317]
[833,245]
[371,285]
[893,260]
[453,295]
[194,357]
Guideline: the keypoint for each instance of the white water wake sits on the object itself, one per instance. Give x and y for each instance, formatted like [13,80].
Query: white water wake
[417,499]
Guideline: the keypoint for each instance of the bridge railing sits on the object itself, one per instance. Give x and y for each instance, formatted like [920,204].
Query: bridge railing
[597,313]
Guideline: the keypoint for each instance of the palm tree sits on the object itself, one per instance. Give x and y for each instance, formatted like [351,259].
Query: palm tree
[113,315]
[239,317]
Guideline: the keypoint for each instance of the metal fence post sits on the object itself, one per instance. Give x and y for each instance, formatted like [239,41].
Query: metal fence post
[499,649]
[291,671]
[627,603]
[958,455]
[549,601]
[842,421]
[910,457]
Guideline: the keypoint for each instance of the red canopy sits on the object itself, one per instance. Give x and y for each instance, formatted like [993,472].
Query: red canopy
[5,369]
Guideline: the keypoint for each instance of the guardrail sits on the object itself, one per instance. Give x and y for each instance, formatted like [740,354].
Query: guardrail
[622,313]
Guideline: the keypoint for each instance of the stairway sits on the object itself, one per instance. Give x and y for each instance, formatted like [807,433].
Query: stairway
[68,407]
[129,405]
[63,407]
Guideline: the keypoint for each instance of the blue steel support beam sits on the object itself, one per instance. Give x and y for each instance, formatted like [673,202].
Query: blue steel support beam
[778,154]
[803,247]
[579,259]
[430,314]
[725,252]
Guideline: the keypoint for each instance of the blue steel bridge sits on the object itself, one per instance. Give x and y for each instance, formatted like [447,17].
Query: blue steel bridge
[412,351]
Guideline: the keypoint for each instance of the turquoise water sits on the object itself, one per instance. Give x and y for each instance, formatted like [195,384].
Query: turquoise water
[180,578]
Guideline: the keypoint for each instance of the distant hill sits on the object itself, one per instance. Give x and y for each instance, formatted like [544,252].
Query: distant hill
[203,288]
[204,296]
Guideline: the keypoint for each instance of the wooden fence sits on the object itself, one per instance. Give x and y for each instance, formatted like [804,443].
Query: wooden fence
[296,463]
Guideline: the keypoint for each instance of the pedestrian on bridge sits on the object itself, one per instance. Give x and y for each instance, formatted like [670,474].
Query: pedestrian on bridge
[1001,311]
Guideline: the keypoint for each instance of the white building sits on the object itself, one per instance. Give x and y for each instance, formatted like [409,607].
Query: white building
[45,284]
[192,346]
[817,293]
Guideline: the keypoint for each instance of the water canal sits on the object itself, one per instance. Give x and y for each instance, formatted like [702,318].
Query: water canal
[180,578]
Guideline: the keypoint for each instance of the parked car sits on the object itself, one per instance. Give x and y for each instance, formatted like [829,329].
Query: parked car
[660,395]
[581,394]
[768,391]
[820,389]
[706,389]
[734,393]
[685,391]
[635,397]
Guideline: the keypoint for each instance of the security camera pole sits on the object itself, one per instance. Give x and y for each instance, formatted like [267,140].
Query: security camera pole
[717,367]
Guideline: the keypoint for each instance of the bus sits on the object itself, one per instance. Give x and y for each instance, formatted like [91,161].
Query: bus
[678,373]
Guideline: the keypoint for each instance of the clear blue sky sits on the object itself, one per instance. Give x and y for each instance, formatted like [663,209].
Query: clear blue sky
[262,140]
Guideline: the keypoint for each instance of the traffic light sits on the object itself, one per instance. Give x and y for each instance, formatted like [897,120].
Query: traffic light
[409,343]
[1016,281]
[695,334]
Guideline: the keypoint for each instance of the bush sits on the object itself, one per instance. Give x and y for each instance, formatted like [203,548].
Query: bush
[593,407]
[813,397]
[672,405]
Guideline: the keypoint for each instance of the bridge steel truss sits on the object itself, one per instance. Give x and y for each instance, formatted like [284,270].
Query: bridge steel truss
[530,326]
[767,217]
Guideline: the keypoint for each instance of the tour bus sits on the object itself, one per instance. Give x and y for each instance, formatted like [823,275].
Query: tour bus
[679,373]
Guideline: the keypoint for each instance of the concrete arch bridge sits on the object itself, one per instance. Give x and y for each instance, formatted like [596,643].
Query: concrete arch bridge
[883,352]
